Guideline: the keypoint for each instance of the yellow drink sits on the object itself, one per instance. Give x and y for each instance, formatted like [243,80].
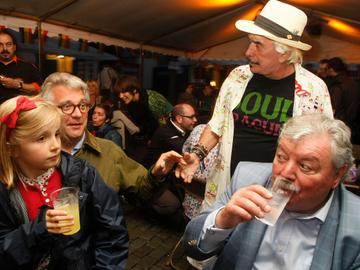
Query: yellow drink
[67,199]
[72,210]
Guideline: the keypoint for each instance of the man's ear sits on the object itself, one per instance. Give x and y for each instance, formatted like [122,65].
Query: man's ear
[339,176]
[178,118]
[284,57]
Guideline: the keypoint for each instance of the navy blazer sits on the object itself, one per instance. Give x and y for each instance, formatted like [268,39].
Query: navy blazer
[165,138]
[337,246]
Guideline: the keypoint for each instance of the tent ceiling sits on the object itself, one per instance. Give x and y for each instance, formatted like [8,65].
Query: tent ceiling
[188,27]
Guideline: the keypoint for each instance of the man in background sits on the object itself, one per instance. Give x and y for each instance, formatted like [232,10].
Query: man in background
[166,138]
[172,135]
[323,69]
[16,76]
[188,95]
[345,96]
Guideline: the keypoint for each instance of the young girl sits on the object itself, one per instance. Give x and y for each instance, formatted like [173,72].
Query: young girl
[31,167]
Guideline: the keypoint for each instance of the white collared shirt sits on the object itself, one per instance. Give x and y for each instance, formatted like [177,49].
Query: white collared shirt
[78,146]
[290,244]
[183,133]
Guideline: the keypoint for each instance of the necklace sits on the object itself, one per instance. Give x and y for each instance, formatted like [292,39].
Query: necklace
[40,181]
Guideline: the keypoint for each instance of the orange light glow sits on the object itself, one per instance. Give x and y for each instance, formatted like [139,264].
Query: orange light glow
[230,28]
[212,3]
[310,3]
[252,12]
[343,27]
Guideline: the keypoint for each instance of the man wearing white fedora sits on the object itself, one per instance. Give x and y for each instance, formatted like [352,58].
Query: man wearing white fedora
[256,99]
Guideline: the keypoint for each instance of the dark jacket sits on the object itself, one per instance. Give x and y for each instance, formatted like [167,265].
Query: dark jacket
[165,138]
[345,98]
[110,133]
[101,243]
[345,101]
[140,113]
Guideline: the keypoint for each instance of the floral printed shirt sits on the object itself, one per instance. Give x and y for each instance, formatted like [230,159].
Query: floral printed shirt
[310,95]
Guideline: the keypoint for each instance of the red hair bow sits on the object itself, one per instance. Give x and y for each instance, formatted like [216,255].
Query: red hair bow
[22,104]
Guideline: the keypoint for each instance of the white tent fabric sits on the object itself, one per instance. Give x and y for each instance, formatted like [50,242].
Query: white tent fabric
[200,29]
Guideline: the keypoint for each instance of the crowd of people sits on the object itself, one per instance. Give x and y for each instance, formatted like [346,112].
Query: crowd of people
[271,118]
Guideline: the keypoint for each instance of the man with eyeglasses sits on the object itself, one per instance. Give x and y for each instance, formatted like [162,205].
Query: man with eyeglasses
[166,138]
[16,76]
[120,172]
[172,135]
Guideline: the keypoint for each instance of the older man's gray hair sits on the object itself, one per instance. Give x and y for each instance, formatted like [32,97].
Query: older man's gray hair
[64,79]
[339,133]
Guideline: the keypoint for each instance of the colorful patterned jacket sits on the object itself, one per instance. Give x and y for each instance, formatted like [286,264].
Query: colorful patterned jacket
[310,95]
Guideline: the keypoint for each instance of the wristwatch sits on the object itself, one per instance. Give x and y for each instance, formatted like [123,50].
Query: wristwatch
[20,85]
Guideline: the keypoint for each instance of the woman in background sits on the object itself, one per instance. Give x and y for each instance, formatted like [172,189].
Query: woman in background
[95,98]
[94,92]
[101,126]
[147,108]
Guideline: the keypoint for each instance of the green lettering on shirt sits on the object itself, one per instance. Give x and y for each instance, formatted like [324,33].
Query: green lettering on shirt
[246,100]
[284,116]
[265,107]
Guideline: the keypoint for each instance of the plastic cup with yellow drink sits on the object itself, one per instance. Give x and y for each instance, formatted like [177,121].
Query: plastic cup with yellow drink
[67,199]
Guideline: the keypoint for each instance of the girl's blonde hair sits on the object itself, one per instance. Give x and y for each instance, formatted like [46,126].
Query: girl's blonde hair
[29,125]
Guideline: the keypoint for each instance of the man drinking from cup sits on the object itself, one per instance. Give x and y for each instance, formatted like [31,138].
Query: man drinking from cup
[317,229]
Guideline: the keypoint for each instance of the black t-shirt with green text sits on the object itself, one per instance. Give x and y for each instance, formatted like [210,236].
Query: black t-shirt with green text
[264,107]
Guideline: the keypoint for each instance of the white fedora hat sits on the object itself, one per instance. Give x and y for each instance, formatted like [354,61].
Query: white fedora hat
[280,22]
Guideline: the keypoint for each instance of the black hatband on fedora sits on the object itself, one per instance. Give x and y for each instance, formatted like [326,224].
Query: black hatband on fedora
[275,28]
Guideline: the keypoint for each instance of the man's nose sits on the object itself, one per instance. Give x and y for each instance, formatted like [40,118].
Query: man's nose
[76,112]
[249,50]
[288,170]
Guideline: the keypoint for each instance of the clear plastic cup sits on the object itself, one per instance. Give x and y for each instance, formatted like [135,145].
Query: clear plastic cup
[67,199]
[281,190]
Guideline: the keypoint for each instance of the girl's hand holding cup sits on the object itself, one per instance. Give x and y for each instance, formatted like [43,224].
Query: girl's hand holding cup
[58,221]
[65,200]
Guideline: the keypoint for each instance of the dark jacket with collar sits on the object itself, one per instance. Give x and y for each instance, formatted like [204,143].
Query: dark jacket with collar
[165,138]
[110,133]
[101,243]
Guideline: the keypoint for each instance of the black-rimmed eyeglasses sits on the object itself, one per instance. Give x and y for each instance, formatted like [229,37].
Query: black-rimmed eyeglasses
[192,117]
[70,108]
